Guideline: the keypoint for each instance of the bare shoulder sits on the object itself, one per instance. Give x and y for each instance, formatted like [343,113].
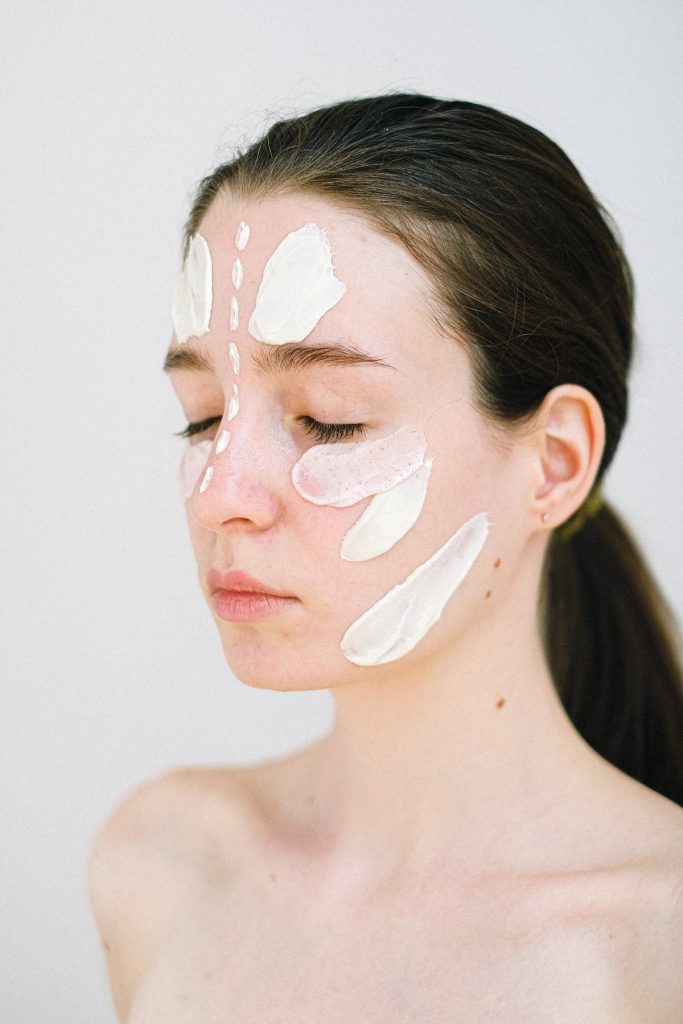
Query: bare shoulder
[655,962]
[157,848]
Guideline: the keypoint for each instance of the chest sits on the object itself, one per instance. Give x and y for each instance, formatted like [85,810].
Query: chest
[284,960]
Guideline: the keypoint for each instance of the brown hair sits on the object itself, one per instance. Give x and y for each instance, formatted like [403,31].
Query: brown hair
[528,271]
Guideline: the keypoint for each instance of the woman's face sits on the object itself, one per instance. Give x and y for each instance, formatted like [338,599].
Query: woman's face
[272,494]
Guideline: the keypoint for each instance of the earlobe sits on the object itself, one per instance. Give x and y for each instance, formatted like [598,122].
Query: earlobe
[570,433]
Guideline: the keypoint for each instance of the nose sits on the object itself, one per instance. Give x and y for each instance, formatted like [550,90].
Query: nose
[241,483]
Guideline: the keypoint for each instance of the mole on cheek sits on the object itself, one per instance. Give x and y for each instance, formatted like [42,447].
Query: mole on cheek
[496,563]
[500,702]
[488,593]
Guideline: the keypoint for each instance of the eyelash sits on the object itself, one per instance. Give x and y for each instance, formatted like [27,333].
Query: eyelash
[322,432]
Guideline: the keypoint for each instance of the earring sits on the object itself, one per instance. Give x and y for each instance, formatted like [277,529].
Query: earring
[545,517]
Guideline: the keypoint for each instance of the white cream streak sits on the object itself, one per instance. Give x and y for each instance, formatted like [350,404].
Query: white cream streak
[237,273]
[387,518]
[397,622]
[234,406]
[297,289]
[222,442]
[207,479]
[191,464]
[342,474]
[242,236]
[192,297]
[234,314]
[234,358]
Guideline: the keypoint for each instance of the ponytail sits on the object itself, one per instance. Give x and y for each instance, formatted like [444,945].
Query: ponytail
[612,648]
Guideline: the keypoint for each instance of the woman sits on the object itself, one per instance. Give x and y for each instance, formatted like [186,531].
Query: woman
[401,340]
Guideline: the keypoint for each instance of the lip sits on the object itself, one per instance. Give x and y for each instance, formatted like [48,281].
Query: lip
[240,582]
[238,597]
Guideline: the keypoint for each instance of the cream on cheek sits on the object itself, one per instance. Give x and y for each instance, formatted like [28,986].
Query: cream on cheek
[387,518]
[192,463]
[191,305]
[343,474]
[298,287]
[396,623]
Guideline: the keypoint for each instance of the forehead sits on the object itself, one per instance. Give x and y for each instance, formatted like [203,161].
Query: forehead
[384,283]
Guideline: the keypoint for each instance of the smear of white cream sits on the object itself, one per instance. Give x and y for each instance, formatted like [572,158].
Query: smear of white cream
[191,465]
[191,305]
[237,273]
[242,236]
[234,314]
[207,479]
[397,622]
[298,287]
[234,406]
[222,442]
[387,518]
[234,358]
[342,474]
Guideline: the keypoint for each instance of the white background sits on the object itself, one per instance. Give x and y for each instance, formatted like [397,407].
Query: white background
[110,114]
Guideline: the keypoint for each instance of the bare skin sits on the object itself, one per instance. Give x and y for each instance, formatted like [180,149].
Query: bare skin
[452,851]
[217,901]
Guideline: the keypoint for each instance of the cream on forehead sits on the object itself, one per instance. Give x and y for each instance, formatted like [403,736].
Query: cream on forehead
[234,357]
[191,305]
[342,474]
[396,623]
[387,518]
[191,465]
[297,289]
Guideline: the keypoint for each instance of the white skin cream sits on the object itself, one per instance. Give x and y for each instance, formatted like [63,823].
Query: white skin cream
[297,289]
[397,622]
[342,474]
[222,442]
[234,406]
[237,273]
[242,236]
[234,314]
[387,518]
[191,305]
[234,358]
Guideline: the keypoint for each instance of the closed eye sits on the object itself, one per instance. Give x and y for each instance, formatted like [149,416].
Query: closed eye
[330,431]
[323,432]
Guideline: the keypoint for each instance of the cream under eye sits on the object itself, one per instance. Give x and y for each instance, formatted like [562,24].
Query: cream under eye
[331,431]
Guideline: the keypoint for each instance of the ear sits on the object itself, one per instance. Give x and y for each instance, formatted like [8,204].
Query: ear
[569,439]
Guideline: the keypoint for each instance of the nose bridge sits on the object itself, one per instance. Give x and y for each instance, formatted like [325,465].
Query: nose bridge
[242,478]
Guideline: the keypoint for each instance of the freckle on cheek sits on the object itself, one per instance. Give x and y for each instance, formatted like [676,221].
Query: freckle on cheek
[496,563]
[500,702]
[488,593]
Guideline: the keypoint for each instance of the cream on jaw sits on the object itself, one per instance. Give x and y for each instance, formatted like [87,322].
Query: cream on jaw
[191,465]
[191,305]
[397,622]
[342,474]
[297,289]
[387,518]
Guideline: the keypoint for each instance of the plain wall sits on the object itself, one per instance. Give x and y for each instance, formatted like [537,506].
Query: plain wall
[111,112]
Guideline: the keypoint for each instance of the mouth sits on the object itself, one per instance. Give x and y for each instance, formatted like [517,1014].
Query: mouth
[238,597]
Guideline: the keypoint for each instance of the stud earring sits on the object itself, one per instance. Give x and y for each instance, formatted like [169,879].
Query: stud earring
[545,517]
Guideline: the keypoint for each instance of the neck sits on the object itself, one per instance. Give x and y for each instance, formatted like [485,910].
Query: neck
[468,760]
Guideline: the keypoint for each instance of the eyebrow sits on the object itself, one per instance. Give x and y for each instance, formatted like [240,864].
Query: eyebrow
[279,359]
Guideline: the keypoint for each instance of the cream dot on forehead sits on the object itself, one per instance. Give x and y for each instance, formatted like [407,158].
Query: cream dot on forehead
[242,236]
[237,273]
[342,474]
[234,314]
[298,287]
[192,296]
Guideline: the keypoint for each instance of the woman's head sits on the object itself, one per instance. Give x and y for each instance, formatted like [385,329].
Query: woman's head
[525,267]
[468,253]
